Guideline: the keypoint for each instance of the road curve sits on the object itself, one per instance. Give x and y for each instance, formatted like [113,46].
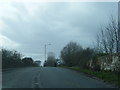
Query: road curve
[48,77]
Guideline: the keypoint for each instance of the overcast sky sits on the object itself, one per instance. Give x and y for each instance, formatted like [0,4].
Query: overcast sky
[27,27]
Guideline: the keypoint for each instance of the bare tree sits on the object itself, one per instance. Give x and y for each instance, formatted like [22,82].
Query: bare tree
[119,36]
[108,39]
[113,33]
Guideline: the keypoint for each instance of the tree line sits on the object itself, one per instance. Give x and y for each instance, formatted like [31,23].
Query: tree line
[74,55]
[12,59]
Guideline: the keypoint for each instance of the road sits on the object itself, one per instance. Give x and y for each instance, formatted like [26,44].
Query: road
[48,77]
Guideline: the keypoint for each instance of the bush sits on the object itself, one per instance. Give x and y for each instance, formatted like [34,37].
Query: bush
[11,58]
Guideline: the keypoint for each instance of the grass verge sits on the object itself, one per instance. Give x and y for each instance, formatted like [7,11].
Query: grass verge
[107,76]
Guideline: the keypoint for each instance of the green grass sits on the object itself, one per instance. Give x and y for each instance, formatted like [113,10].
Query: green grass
[106,76]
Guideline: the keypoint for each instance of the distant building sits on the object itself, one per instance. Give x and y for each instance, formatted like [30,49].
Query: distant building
[38,62]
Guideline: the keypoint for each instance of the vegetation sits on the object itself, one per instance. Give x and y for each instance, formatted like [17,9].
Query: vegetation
[108,38]
[102,61]
[108,43]
[12,59]
[101,56]
[74,55]
[27,61]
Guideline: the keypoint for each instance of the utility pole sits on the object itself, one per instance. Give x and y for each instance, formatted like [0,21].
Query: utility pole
[46,50]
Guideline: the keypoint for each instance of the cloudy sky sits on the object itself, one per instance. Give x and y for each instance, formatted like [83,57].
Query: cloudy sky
[27,27]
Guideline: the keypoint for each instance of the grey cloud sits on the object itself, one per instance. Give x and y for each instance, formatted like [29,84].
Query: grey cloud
[56,23]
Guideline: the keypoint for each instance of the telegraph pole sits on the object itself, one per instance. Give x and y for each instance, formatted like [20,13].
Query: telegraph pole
[46,50]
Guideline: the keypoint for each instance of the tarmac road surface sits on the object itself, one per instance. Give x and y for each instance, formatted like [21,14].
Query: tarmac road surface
[48,77]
